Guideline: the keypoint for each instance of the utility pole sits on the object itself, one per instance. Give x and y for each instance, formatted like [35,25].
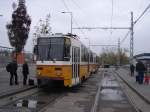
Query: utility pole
[131,38]
[118,60]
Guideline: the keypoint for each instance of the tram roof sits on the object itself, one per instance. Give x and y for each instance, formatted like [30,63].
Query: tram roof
[60,35]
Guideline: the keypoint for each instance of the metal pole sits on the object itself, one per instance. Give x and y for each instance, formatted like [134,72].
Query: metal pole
[118,62]
[131,38]
[71,22]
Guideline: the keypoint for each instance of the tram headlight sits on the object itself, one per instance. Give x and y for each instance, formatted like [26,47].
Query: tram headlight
[58,72]
[39,73]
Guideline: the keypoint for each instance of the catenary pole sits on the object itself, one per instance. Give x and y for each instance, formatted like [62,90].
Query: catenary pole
[131,38]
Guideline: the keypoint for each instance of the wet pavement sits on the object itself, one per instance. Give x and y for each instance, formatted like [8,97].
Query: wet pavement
[139,94]
[33,101]
[80,98]
[6,89]
[76,99]
[112,98]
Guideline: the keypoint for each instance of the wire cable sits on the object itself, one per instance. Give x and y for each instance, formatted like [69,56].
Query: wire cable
[142,14]
[77,5]
[125,37]
[64,3]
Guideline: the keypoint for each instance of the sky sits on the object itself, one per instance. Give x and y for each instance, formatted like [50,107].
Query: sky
[86,13]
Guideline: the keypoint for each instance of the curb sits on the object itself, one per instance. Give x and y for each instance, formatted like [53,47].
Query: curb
[134,89]
[6,94]
[94,107]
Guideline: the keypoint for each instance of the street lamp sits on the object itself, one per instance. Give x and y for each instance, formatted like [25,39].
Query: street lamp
[71,19]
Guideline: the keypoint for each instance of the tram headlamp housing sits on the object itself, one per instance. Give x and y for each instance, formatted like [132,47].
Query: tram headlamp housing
[58,72]
[39,73]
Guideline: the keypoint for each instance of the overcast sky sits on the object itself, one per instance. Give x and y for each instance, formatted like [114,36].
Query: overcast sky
[86,13]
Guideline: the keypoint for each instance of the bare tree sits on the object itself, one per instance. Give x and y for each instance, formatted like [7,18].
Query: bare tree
[109,56]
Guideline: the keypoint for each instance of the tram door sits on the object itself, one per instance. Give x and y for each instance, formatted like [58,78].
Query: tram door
[75,65]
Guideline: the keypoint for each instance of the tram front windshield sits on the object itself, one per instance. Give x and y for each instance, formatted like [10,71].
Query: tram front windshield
[50,49]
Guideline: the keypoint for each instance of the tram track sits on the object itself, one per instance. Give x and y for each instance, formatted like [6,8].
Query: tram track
[11,93]
[130,93]
[112,95]
[30,101]
[15,96]
[53,99]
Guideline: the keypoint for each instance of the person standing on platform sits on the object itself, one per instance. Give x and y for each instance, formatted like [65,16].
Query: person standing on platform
[132,68]
[140,68]
[12,69]
[25,72]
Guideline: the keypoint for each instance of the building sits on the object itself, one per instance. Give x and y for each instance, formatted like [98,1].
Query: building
[144,57]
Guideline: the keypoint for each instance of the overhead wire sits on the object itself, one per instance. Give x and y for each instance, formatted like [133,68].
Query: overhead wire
[125,37]
[136,22]
[77,5]
[64,3]
[142,14]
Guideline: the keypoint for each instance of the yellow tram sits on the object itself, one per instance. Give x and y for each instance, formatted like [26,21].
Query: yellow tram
[63,58]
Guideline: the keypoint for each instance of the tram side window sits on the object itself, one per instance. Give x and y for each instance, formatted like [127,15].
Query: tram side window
[35,50]
[91,57]
[67,49]
[97,59]
[94,61]
[86,55]
[82,53]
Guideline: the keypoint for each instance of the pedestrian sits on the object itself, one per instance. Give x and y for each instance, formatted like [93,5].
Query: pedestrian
[25,72]
[132,68]
[12,69]
[140,69]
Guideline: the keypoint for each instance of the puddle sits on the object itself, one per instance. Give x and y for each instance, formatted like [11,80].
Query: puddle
[111,94]
[112,98]
[28,103]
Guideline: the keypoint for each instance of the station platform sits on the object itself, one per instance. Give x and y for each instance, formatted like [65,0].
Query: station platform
[143,90]
[7,90]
